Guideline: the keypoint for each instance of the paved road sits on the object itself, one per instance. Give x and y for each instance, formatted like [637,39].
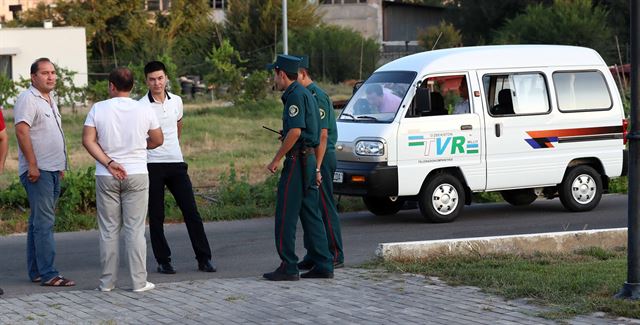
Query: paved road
[246,248]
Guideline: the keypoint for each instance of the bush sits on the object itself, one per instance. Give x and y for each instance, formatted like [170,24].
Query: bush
[98,90]
[226,74]
[256,85]
[8,90]
[440,37]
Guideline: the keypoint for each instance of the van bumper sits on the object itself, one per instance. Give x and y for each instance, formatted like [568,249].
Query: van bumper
[379,179]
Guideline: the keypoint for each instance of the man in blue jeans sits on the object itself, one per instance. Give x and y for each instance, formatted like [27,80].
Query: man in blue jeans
[41,164]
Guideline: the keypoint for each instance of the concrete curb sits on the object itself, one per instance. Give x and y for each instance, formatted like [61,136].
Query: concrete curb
[556,242]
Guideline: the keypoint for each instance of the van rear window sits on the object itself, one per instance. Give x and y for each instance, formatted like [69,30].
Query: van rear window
[581,90]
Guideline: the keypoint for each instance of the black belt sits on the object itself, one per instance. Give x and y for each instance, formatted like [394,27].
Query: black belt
[296,152]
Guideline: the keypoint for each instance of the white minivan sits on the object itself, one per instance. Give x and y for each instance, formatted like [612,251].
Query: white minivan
[524,120]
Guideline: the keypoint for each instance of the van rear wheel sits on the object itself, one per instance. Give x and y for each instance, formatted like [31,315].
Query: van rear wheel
[581,189]
[442,198]
[519,197]
[382,206]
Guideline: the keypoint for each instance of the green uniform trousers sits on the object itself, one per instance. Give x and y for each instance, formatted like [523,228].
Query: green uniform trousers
[298,197]
[328,209]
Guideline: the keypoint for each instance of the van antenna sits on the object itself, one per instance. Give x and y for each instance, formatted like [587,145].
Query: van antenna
[436,43]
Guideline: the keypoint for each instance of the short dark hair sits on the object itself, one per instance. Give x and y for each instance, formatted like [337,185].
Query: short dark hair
[306,71]
[154,66]
[291,76]
[121,78]
[36,64]
[374,89]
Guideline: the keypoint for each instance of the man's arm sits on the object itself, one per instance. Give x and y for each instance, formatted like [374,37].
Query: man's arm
[289,141]
[179,129]
[320,150]
[90,142]
[24,142]
[155,139]
[4,148]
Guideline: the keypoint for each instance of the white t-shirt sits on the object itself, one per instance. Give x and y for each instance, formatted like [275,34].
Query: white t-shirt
[168,113]
[122,125]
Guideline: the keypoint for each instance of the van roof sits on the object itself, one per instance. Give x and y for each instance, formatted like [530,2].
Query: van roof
[495,56]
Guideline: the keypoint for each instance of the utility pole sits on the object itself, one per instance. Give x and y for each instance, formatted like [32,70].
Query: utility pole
[285,41]
[631,288]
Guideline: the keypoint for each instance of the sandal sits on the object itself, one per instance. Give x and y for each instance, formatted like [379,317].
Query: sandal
[58,281]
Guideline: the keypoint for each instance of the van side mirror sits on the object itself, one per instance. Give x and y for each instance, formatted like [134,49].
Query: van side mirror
[423,101]
[356,86]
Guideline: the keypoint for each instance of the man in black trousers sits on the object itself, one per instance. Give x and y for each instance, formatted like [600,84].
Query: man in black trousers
[167,168]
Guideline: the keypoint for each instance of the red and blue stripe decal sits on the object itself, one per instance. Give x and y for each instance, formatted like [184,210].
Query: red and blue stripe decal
[546,138]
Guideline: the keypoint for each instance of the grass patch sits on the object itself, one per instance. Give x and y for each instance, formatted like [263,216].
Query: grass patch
[570,284]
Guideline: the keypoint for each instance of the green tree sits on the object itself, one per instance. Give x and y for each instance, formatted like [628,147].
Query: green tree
[440,37]
[7,90]
[226,72]
[190,34]
[254,27]
[336,53]
[570,22]
[478,19]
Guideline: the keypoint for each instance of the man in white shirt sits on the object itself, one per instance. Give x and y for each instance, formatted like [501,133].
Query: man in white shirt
[167,168]
[117,133]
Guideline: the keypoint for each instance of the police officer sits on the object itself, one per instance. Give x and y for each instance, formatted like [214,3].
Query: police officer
[326,163]
[297,188]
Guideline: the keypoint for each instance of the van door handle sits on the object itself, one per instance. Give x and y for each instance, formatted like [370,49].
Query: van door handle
[498,128]
[466,127]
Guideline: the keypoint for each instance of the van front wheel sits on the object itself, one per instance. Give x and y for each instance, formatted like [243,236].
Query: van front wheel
[581,189]
[442,198]
[382,206]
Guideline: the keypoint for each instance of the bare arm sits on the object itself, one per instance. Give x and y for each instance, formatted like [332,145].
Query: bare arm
[179,129]
[320,150]
[24,142]
[289,141]
[4,148]
[155,139]
[90,142]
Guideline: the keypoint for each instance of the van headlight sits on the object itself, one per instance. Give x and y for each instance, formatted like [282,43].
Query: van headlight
[369,148]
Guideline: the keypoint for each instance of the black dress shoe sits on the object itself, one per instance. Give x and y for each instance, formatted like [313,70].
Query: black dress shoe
[166,268]
[206,266]
[1,292]
[315,274]
[280,275]
[338,265]
[305,265]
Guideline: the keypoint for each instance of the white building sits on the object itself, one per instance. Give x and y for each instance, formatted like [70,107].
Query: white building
[64,46]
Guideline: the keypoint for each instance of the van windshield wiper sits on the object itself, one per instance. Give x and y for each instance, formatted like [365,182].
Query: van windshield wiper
[367,117]
[349,115]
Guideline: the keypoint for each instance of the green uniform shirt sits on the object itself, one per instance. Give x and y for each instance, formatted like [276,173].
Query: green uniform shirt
[327,115]
[301,111]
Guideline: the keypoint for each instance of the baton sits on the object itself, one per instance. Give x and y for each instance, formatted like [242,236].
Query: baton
[272,130]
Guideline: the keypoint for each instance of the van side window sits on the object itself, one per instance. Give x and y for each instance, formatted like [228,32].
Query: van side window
[581,90]
[448,95]
[516,94]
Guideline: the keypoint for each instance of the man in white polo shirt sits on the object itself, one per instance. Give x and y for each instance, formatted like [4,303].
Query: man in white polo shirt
[117,133]
[167,168]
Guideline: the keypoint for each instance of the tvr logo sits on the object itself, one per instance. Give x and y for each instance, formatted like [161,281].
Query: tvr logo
[448,145]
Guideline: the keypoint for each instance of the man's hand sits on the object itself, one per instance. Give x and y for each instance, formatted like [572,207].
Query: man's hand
[318,178]
[61,174]
[117,171]
[273,166]
[33,174]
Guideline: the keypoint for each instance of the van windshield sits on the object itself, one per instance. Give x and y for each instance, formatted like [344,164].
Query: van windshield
[379,98]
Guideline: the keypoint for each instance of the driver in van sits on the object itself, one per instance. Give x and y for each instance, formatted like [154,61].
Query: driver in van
[382,101]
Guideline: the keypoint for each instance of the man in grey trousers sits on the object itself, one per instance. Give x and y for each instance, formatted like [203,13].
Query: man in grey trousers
[117,133]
